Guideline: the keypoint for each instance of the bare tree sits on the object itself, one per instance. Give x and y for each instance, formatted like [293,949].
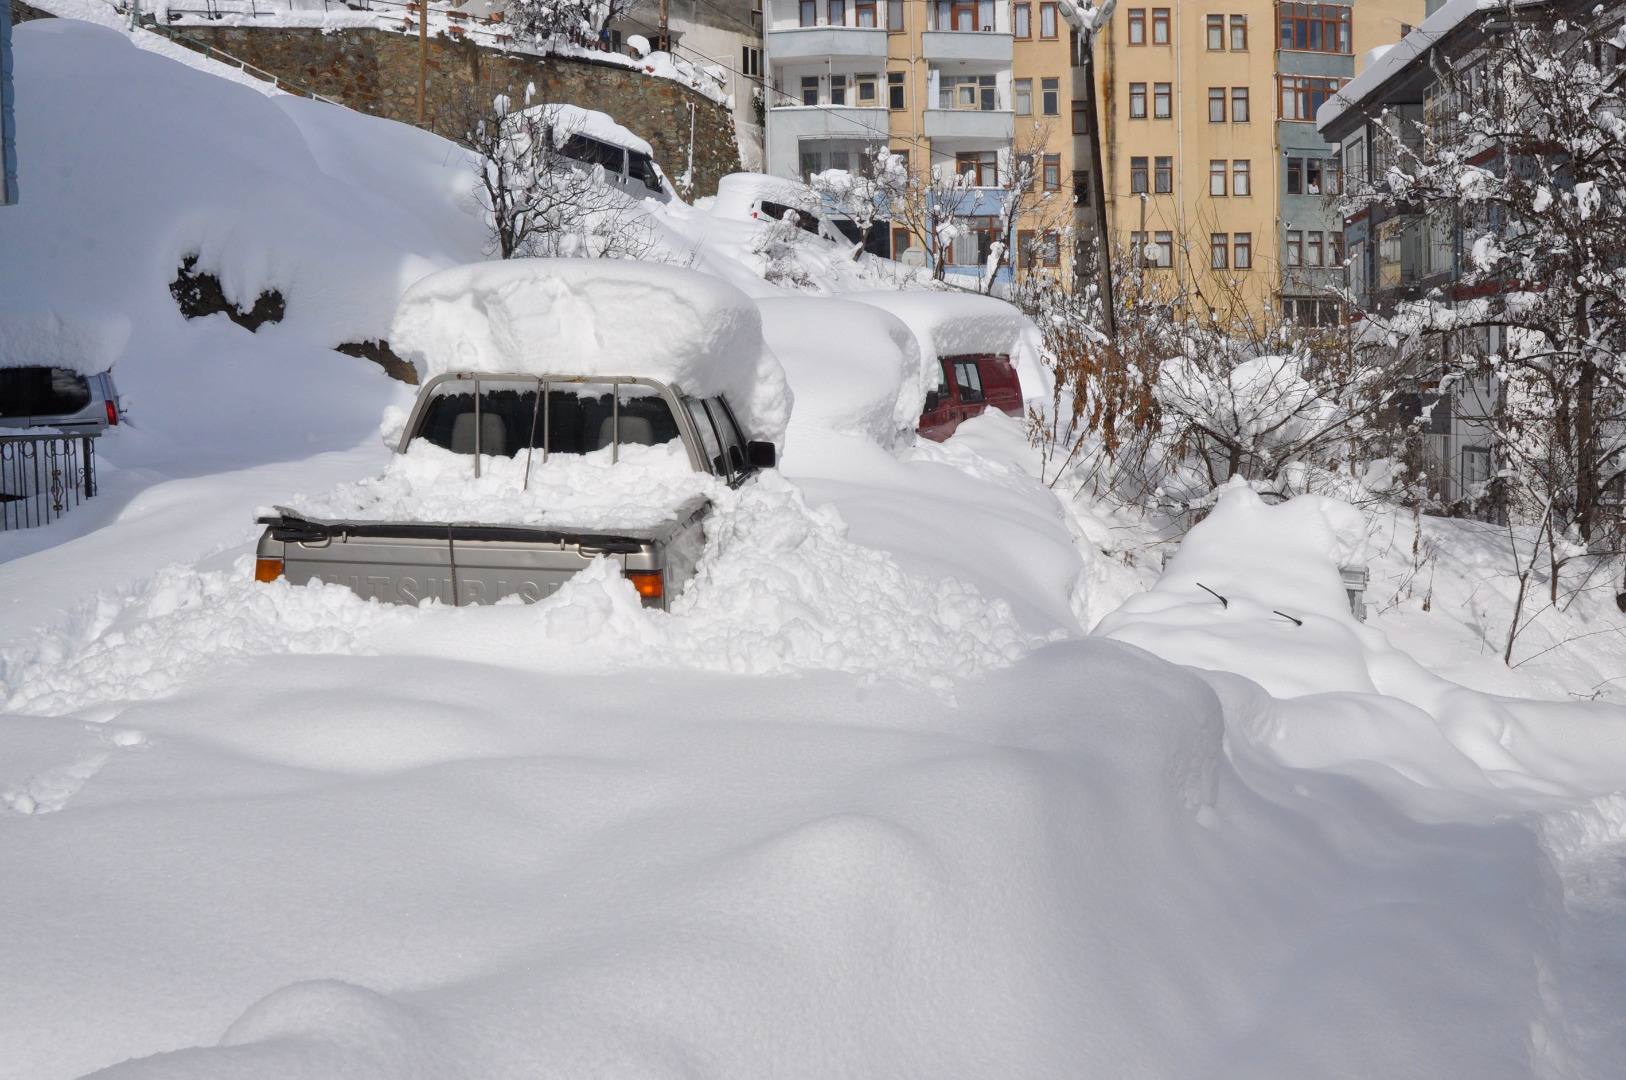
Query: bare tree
[537,199]
[1519,152]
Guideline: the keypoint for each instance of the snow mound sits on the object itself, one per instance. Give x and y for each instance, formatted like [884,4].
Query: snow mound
[82,342]
[779,590]
[1341,696]
[582,491]
[866,381]
[597,317]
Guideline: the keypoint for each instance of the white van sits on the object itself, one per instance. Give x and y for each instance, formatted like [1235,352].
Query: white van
[593,138]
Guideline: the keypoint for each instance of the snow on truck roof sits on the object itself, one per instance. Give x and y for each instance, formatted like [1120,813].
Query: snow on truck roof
[574,120]
[78,341]
[597,317]
[952,323]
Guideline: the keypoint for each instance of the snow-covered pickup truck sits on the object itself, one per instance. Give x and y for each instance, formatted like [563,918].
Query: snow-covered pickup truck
[572,410]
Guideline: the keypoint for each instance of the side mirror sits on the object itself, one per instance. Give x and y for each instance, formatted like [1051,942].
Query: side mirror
[934,400]
[761,455]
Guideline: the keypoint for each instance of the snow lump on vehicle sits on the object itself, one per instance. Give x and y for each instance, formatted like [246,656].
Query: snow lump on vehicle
[597,317]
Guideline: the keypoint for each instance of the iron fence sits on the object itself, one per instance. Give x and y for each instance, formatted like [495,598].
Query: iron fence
[42,477]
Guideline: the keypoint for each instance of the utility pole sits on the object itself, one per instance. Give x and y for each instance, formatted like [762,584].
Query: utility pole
[666,33]
[423,56]
[1087,24]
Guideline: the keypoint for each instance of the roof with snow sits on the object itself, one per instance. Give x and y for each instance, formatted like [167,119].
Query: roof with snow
[597,317]
[1397,59]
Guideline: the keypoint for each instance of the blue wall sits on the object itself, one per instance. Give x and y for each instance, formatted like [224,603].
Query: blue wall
[8,126]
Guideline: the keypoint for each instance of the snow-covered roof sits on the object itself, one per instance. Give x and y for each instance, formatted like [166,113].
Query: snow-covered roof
[597,317]
[953,323]
[1395,59]
[82,342]
[575,120]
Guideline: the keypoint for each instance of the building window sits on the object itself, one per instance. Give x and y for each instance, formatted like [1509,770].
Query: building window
[1052,172]
[894,90]
[1051,248]
[1163,181]
[1137,175]
[1239,178]
[1160,26]
[1047,21]
[1081,118]
[838,89]
[756,16]
[1162,252]
[1081,187]
[838,12]
[1024,96]
[1216,32]
[894,16]
[810,89]
[1295,247]
[1315,27]
[1216,177]
[866,90]
[1219,251]
[976,92]
[1242,251]
[1295,176]
[1137,101]
[810,12]
[1335,249]
[1302,95]
[1216,104]
[1312,176]
[1021,20]
[982,166]
[1312,249]
[1050,96]
[865,12]
[1137,26]
[1162,100]
[1239,104]
[1239,33]
[750,61]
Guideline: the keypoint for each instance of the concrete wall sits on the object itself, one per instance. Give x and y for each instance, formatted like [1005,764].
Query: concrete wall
[376,71]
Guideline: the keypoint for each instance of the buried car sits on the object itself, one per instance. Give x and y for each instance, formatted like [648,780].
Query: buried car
[550,431]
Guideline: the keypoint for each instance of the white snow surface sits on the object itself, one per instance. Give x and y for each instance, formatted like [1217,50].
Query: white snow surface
[586,491]
[567,120]
[597,317]
[868,802]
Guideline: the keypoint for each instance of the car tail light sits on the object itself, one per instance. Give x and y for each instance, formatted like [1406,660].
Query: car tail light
[267,569]
[112,414]
[651,585]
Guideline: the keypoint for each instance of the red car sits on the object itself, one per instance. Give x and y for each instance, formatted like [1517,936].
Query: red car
[966,385]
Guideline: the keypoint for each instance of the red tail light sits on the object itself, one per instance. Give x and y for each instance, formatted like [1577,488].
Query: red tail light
[112,413]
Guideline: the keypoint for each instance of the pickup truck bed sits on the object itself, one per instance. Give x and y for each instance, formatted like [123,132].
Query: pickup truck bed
[404,562]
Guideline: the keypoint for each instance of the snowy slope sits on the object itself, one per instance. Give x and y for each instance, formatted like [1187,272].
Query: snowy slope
[868,803]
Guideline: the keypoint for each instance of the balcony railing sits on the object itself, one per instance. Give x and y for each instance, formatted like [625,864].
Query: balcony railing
[42,477]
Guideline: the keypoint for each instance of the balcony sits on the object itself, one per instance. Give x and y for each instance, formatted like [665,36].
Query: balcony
[835,42]
[997,125]
[983,47]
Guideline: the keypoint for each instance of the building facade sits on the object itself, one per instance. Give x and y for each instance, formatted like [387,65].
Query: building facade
[1215,174]
[955,87]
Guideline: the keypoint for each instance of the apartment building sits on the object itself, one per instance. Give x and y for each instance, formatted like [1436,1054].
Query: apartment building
[955,87]
[1214,171]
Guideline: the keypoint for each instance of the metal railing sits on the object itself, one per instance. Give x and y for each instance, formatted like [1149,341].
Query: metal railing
[42,477]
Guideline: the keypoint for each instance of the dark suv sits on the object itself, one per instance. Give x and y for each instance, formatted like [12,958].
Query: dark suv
[61,398]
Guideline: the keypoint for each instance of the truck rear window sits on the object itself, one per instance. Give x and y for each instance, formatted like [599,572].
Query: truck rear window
[578,418]
[42,391]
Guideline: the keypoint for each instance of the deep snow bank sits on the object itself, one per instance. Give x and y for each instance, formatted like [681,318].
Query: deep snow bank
[1345,699]
[135,162]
